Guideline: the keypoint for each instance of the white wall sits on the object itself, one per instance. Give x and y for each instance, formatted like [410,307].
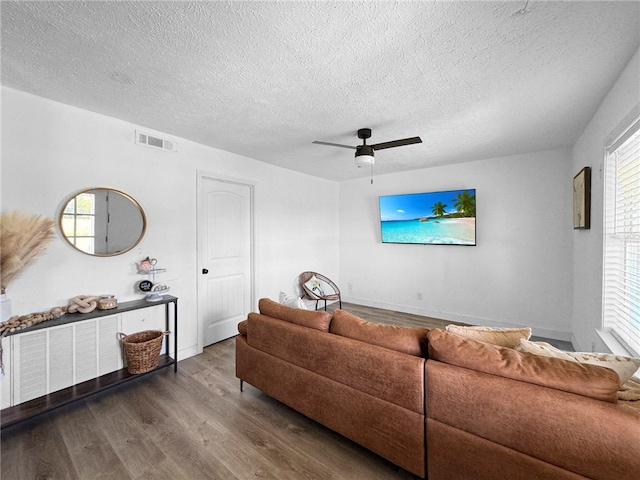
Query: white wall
[50,151]
[588,151]
[529,268]
[519,274]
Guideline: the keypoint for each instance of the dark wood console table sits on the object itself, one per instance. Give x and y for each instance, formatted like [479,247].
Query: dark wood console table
[23,411]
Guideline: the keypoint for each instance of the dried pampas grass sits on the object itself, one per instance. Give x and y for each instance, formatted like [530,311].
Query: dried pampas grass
[22,238]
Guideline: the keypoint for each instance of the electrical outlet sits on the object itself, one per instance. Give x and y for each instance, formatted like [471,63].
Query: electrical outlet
[419,295]
[349,286]
[593,346]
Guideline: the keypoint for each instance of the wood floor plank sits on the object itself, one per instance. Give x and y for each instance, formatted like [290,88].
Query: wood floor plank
[47,458]
[91,454]
[236,425]
[162,421]
[166,470]
[302,433]
[134,447]
[277,418]
[392,317]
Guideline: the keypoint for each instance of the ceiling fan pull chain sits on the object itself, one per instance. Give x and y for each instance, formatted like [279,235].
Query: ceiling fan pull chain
[372,174]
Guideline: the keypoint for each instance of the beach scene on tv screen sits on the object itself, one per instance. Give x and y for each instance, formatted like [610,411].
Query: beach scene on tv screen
[442,218]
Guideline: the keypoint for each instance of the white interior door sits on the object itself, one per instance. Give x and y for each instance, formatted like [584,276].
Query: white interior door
[224,256]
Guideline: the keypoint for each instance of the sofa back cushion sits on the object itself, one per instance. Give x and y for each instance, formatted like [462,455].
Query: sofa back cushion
[392,376]
[582,379]
[411,340]
[306,318]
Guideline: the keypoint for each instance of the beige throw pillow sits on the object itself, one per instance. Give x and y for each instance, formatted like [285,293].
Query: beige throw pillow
[543,348]
[625,367]
[502,337]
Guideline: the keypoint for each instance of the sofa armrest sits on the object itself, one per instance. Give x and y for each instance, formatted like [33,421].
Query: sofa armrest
[242,327]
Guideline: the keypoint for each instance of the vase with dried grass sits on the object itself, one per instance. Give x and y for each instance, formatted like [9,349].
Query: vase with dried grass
[23,237]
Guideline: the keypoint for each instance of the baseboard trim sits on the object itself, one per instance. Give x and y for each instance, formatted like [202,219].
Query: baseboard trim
[453,317]
[185,353]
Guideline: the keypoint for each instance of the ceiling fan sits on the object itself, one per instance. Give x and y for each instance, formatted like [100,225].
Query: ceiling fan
[364,152]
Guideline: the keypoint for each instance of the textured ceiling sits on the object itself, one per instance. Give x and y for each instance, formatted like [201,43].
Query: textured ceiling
[265,79]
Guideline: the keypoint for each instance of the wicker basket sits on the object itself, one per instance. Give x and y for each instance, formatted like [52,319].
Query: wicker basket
[142,350]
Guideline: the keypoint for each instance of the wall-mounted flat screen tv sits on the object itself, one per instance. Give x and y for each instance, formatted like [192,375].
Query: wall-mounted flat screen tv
[435,218]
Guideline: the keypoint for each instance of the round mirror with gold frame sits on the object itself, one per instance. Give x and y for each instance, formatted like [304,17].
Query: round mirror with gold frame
[102,221]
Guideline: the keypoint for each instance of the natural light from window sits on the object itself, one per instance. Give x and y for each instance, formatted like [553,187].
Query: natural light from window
[621,283]
[78,222]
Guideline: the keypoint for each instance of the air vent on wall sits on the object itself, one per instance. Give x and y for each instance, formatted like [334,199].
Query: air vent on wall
[155,142]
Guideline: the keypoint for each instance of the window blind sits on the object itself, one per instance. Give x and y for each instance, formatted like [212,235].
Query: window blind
[621,269]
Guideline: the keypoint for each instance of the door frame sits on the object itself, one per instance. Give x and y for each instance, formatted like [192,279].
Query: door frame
[201,175]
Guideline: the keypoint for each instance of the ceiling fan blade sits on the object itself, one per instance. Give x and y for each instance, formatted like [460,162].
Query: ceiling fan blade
[334,145]
[396,143]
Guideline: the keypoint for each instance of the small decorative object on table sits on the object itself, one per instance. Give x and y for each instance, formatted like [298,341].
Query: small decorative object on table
[145,286]
[146,265]
[107,302]
[82,304]
[25,321]
[153,290]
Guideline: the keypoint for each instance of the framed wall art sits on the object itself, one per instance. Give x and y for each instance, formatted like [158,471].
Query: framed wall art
[582,199]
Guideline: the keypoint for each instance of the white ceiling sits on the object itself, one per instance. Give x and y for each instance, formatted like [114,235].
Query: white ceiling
[474,79]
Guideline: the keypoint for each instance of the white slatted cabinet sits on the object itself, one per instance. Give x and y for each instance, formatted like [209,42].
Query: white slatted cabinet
[52,359]
[75,356]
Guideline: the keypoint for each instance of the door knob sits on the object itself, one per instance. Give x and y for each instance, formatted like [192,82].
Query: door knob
[205,271]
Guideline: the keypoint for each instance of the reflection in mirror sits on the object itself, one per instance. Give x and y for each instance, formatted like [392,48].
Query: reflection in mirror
[103,222]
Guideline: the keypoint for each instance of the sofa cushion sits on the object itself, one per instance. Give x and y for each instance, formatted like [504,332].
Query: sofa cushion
[582,379]
[306,318]
[411,340]
[625,367]
[503,337]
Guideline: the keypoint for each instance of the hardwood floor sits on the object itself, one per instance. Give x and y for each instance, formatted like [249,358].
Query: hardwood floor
[391,317]
[189,426]
[410,320]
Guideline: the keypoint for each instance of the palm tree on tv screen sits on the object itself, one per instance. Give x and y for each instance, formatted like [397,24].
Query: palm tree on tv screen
[465,203]
[438,209]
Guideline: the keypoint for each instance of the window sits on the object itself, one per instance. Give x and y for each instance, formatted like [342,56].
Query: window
[78,222]
[621,283]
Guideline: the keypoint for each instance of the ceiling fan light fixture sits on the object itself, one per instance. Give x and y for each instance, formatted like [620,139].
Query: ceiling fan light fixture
[364,156]
[364,152]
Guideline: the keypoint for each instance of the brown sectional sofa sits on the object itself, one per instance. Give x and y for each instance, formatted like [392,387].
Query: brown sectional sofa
[439,404]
